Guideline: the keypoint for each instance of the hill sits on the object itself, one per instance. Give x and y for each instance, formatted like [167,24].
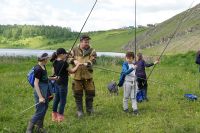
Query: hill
[52,37]
[186,39]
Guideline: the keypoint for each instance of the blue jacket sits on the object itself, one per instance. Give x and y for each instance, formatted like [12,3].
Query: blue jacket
[125,71]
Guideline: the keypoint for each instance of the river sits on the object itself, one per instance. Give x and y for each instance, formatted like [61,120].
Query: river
[33,52]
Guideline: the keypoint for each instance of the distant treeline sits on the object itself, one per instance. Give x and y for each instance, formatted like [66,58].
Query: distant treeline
[25,31]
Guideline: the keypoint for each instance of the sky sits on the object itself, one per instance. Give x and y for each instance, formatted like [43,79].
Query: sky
[108,14]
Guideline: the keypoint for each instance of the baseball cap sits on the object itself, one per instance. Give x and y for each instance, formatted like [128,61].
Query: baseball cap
[84,37]
[43,56]
[61,51]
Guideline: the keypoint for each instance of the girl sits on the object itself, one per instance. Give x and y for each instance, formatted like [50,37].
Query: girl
[61,70]
[141,74]
[41,94]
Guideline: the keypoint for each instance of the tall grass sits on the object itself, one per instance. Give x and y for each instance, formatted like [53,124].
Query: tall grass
[167,111]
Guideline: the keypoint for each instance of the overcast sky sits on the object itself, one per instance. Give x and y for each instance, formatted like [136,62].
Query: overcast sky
[108,14]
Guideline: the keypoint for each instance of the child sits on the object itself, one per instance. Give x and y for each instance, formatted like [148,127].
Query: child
[61,69]
[41,94]
[141,74]
[128,80]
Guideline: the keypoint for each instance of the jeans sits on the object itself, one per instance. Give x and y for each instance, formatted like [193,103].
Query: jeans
[142,85]
[41,108]
[60,98]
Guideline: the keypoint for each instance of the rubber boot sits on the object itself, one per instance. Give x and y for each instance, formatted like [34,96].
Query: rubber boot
[39,128]
[89,104]
[79,106]
[30,127]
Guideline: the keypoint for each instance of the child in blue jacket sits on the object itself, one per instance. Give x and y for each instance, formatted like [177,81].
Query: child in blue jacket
[128,81]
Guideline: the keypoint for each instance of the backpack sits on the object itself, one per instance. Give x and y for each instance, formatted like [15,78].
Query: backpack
[112,87]
[31,77]
[140,96]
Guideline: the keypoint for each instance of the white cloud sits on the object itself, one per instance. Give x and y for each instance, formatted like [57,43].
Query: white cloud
[108,14]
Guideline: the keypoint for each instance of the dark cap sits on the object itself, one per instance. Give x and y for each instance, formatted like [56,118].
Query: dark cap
[43,56]
[61,51]
[84,37]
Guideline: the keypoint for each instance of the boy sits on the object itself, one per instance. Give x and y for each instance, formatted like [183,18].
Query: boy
[128,81]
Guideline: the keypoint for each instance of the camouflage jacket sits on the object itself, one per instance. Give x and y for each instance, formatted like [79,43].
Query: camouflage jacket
[88,56]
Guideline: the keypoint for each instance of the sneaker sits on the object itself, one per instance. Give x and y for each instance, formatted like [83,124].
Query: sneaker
[135,112]
[54,116]
[60,117]
[126,110]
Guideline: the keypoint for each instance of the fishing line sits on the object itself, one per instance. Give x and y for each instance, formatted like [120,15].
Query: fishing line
[176,30]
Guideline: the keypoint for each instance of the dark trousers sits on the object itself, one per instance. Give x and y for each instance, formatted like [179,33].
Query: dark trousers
[87,86]
[142,85]
[60,98]
[41,109]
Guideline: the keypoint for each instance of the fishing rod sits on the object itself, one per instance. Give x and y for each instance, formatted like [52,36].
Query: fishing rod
[135,32]
[175,31]
[157,82]
[49,98]
[105,69]
[135,44]
[79,33]
[83,25]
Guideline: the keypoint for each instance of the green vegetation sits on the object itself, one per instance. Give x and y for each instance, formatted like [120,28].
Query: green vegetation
[55,37]
[167,110]
[15,32]
[113,40]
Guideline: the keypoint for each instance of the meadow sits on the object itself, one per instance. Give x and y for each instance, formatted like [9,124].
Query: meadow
[166,112]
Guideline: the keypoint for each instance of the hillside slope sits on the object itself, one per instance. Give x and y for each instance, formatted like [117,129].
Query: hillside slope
[186,39]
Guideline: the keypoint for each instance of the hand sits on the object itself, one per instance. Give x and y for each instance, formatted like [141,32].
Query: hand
[41,100]
[92,58]
[76,62]
[56,77]
[53,77]
[134,66]
[87,64]
[156,62]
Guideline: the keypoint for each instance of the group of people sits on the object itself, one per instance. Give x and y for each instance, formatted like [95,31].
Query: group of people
[81,58]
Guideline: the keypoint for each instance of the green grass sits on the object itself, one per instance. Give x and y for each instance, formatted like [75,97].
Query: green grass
[167,111]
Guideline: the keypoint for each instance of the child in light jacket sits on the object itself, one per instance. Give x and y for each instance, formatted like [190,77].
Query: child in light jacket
[128,81]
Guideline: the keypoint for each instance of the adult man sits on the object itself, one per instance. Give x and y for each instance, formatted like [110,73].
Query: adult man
[83,79]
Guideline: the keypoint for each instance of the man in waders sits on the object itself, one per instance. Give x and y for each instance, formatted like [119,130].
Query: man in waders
[83,79]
